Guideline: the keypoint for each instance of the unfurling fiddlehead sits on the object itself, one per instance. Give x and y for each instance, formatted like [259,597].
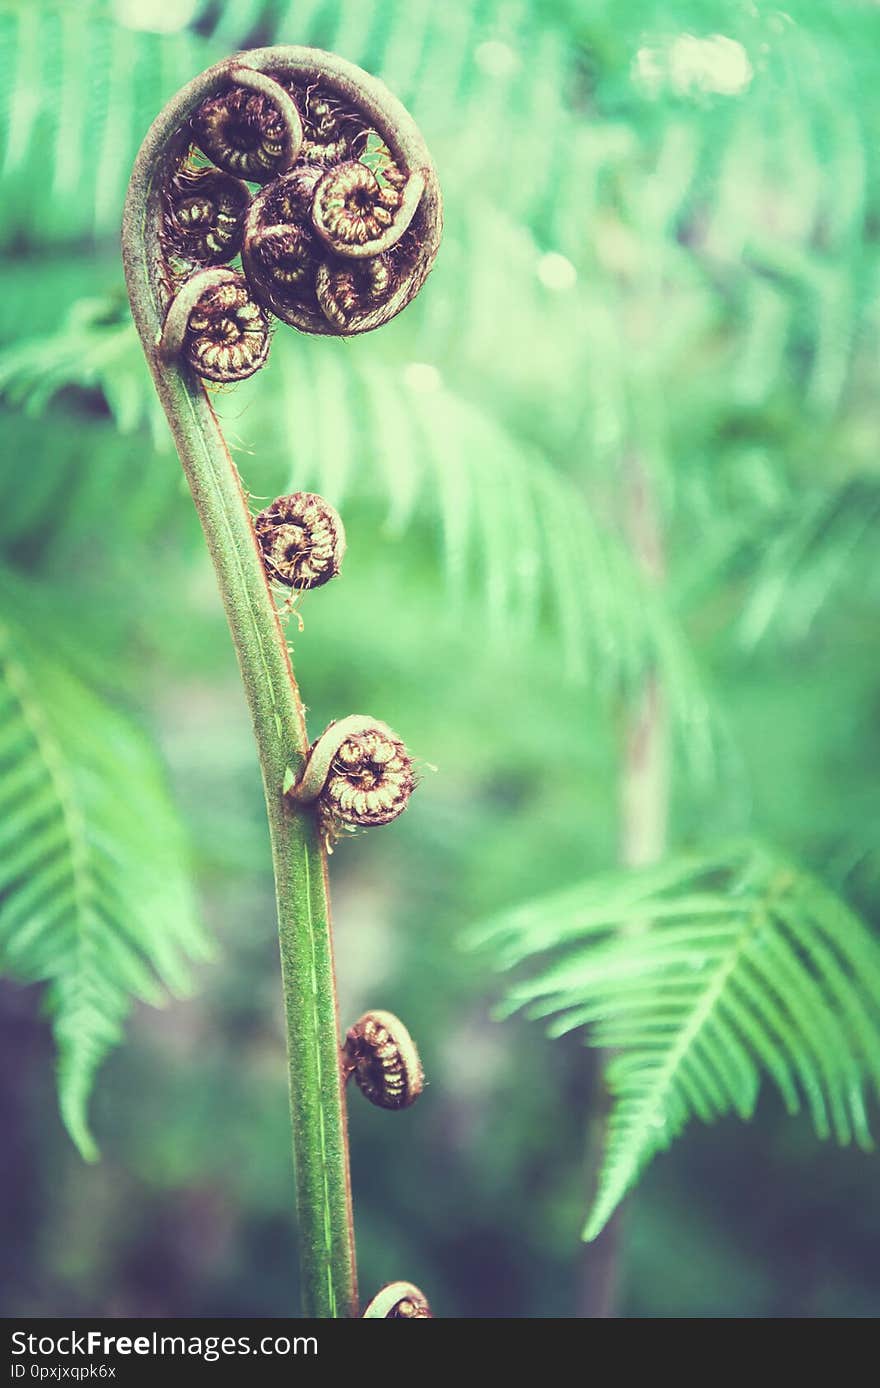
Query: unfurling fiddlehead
[345,240]
[338,239]
[302,540]
[345,228]
[215,325]
[252,130]
[383,1058]
[204,216]
[358,215]
[399,1301]
[357,773]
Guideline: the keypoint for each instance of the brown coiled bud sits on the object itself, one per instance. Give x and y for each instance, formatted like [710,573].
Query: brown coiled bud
[253,130]
[204,216]
[281,253]
[215,325]
[352,208]
[383,1058]
[348,292]
[399,1301]
[302,540]
[370,780]
[345,240]
[358,772]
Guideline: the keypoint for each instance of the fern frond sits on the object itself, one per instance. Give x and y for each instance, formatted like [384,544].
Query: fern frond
[81,470]
[701,976]
[812,552]
[95,899]
[95,348]
[82,136]
[790,550]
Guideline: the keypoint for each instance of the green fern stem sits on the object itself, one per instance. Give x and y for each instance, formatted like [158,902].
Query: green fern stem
[643,810]
[320,1139]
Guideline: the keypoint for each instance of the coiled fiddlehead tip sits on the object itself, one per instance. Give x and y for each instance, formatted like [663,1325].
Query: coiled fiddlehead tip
[344,241]
[347,292]
[302,540]
[359,773]
[382,1056]
[215,325]
[338,241]
[399,1301]
[253,130]
[204,216]
[357,215]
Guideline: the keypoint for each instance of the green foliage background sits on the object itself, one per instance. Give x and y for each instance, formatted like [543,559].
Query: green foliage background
[662,225]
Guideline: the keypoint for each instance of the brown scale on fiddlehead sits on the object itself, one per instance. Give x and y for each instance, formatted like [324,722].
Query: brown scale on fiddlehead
[357,773]
[382,1056]
[347,293]
[216,326]
[253,130]
[302,540]
[204,216]
[399,1301]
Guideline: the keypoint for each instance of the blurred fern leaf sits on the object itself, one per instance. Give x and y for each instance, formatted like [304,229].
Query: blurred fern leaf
[505,512]
[95,899]
[700,976]
[827,540]
[90,366]
[94,348]
[80,136]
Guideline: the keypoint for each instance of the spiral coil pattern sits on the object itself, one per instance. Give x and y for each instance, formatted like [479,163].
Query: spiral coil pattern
[204,216]
[358,773]
[217,327]
[345,224]
[382,1056]
[302,540]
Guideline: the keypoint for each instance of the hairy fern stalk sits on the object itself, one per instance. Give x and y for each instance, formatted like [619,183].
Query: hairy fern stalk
[333,248]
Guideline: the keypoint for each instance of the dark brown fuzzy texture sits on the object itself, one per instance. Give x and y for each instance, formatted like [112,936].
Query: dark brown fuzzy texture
[227,338]
[302,540]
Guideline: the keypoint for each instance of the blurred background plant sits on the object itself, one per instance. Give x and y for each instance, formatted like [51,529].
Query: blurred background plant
[660,261]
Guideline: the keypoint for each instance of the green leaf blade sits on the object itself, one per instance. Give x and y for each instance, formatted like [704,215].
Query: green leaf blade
[699,978]
[95,900]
